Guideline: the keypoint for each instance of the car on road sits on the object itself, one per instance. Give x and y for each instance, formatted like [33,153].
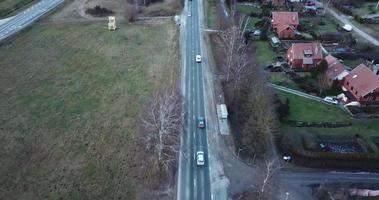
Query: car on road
[331,100]
[201,122]
[200,158]
[189,15]
[198,58]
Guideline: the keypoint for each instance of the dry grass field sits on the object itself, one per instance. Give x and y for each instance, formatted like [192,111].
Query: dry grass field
[70,99]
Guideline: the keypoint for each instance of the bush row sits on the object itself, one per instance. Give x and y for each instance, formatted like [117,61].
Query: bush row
[293,123]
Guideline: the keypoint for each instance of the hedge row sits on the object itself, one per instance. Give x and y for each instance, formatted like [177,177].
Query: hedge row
[18,5]
[319,124]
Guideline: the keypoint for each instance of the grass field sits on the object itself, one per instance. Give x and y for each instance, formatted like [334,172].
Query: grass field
[9,6]
[70,99]
[263,52]
[302,109]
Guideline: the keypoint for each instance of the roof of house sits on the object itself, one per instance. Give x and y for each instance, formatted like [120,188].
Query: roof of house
[299,49]
[363,80]
[331,60]
[282,18]
[335,70]
[282,27]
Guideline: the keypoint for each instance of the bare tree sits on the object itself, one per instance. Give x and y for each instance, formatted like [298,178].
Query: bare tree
[131,12]
[162,126]
[236,53]
[258,130]
[266,179]
[323,83]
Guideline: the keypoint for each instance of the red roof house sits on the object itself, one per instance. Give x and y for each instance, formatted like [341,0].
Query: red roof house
[336,70]
[285,23]
[274,2]
[361,85]
[304,55]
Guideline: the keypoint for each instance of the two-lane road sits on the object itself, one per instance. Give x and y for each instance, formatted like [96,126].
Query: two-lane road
[193,180]
[26,17]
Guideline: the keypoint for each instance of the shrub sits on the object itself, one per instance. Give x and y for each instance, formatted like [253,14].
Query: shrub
[283,110]
[99,11]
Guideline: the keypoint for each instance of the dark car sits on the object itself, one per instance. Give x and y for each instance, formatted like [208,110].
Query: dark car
[200,122]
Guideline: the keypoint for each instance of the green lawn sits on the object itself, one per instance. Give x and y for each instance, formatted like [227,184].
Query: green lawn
[302,109]
[264,53]
[280,78]
[319,24]
[9,6]
[365,9]
[353,63]
[71,96]
[247,9]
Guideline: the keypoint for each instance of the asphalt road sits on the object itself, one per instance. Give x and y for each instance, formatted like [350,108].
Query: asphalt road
[193,180]
[343,20]
[26,17]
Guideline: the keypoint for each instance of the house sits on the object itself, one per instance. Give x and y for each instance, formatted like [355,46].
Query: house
[285,23]
[274,2]
[361,85]
[304,55]
[336,70]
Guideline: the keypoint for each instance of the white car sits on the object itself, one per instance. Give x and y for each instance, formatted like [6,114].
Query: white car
[200,158]
[189,15]
[198,58]
[331,100]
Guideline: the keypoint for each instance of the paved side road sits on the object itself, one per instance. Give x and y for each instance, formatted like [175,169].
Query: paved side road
[343,20]
[26,17]
[302,94]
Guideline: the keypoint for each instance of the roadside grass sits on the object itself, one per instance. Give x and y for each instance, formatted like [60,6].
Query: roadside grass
[9,6]
[164,8]
[371,29]
[211,13]
[71,95]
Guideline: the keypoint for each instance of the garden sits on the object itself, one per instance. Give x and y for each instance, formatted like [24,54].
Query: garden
[320,146]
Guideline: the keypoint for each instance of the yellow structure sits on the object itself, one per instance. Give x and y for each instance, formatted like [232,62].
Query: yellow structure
[112,23]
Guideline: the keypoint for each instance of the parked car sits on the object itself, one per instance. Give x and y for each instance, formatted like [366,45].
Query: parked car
[331,100]
[287,158]
[198,58]
[200,122]
[200,158]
